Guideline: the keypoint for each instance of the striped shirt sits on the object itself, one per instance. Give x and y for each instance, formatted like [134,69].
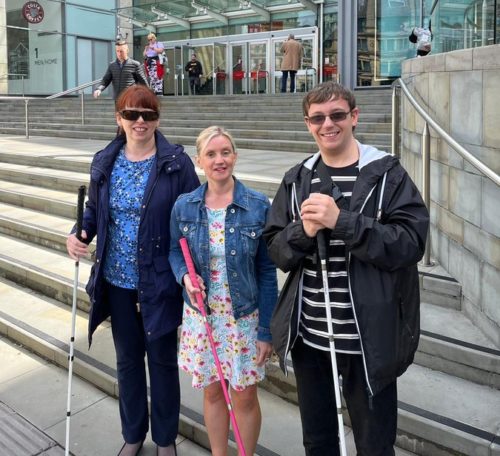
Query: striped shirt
[313,322]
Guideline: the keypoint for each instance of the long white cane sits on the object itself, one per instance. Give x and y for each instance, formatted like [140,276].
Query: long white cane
[79,218]
[323,256]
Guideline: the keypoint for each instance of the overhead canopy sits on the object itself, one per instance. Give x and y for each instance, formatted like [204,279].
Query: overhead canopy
[186,12]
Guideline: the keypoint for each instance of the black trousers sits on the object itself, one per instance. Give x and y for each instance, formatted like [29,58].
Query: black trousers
[131,347]
[285,78]
[374,422]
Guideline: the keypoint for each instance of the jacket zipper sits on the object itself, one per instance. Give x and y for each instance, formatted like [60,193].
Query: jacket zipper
[370,390]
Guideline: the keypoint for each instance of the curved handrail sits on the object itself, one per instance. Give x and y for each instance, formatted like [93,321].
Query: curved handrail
[74,89]
[454,144]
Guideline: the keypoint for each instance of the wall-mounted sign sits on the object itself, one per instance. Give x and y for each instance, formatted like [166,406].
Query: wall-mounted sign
[33,12]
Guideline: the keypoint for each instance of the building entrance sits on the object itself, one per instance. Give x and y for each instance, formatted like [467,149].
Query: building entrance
[239,64]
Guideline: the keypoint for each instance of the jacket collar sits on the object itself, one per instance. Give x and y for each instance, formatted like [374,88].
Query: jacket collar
[240,194]
[372,162]
[165,152]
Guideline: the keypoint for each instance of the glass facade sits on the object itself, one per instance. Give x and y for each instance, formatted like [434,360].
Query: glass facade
[70,43]
[74,42]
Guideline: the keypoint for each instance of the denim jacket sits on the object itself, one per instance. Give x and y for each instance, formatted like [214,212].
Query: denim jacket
[251,274]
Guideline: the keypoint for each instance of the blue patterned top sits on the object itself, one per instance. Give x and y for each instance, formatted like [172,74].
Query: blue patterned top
[127,186]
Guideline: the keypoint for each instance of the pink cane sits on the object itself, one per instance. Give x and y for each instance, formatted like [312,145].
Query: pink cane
[201,306]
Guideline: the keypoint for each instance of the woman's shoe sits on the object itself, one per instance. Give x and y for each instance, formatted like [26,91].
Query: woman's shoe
[170,450]
[131,449]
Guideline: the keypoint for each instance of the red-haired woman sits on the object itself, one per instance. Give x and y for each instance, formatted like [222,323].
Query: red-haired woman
[134,183]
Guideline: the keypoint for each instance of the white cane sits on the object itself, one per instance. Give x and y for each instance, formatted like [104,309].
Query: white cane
[323,256]
[79,218]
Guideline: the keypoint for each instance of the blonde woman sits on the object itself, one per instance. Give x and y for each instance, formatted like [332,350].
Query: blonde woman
[153,64]
[223,222]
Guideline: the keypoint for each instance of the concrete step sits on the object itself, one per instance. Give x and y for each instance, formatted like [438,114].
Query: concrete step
[230,124]
[61,204]
[304,147]
[243,135]
[438,414]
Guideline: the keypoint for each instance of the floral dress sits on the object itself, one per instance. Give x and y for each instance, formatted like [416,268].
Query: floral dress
[235,339]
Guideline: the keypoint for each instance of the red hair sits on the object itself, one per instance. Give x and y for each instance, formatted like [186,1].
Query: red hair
[137,96]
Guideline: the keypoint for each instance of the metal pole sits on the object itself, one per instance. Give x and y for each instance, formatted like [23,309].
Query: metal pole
[426,188]
[396,99]
[26,119]
[82,104]
[22,81]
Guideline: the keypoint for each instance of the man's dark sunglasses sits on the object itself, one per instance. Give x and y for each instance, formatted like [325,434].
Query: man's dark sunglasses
[147,116]
[337,116]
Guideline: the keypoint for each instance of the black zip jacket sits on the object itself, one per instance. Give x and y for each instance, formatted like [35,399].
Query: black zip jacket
[159,295]
[382,252]
[122,76]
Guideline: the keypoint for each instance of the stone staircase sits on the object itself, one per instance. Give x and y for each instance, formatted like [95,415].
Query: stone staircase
[263,122]
[449,400]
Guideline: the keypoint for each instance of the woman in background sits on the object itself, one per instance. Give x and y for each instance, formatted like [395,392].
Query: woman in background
[153,53]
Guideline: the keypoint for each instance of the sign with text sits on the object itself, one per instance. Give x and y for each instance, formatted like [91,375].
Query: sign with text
[33,12]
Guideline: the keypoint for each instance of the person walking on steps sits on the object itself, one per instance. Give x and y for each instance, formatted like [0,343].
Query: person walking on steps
[195,70]
[375,224]
[122,72]
[154,63]
[293,52]
[134,182]
[223,222]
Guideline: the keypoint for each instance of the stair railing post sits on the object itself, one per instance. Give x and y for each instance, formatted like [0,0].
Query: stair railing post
[82,104]
[26,118]
[396,111]
[426,187]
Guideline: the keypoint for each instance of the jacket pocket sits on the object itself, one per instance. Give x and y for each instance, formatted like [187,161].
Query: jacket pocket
[251,237]
[90,287]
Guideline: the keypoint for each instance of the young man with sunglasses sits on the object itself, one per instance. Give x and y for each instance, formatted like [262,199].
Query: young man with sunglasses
[374,224]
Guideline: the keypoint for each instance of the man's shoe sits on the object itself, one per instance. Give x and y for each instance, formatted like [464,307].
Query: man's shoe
[166,451]
[131,449]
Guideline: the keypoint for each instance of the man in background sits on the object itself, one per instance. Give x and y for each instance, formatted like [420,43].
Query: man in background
[122,72]
[293,52]
[195,70]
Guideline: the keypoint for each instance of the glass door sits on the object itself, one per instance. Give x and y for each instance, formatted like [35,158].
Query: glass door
[172,79]
[307,73]
[220,69]
[238,66]
[259,65]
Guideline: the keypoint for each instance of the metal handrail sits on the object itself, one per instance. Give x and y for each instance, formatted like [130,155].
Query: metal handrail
[479,165]
[74,89]
[426,149]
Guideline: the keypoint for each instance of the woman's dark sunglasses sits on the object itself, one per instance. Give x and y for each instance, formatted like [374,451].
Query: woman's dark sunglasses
[337,116]
[147,116]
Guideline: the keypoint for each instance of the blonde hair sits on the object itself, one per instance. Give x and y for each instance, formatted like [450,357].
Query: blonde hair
[210,133]
[152,36]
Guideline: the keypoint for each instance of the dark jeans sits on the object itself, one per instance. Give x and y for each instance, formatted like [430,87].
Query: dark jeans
[374,425]
[285,78]
[194,84]
[131,346]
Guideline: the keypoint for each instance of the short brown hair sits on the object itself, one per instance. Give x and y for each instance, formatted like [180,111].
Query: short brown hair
[138,96]
[325,92]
